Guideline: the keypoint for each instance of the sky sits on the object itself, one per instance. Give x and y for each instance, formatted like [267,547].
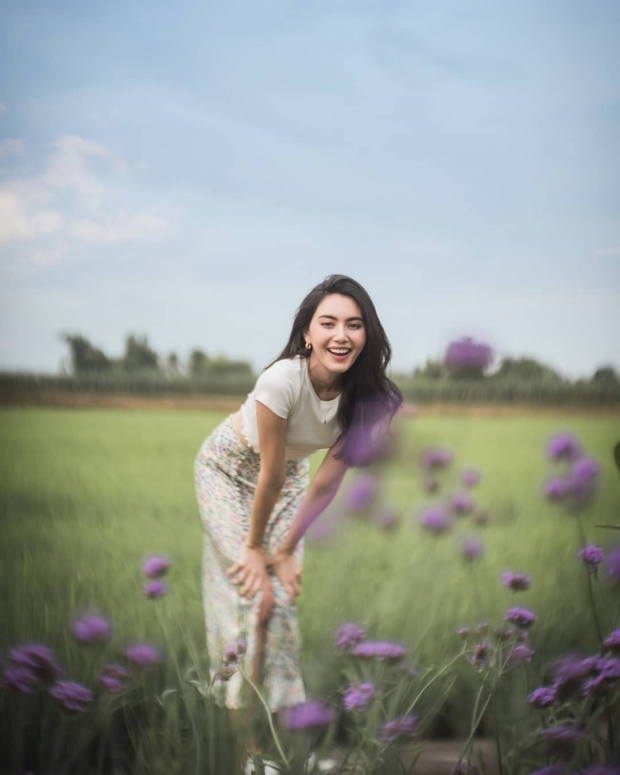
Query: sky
[189,171]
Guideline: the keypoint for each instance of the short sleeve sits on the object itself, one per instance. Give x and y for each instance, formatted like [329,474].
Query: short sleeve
[275,388]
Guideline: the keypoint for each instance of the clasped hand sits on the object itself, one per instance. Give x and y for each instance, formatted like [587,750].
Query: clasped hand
[252,569]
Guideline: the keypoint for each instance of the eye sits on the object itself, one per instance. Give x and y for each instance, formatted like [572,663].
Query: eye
[356,325]
[327,324]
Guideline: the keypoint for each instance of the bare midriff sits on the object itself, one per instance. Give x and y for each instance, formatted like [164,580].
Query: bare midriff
[236,424]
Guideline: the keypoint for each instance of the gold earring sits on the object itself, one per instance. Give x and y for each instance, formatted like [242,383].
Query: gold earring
[308,346]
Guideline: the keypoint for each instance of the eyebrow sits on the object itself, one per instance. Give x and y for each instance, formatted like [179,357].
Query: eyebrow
[348,320]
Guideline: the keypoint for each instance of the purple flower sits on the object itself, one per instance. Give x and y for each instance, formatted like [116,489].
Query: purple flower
[37,658]
[71,696]
[19,679]
[569,672]
[387,518]
[557,489]
[517,582]
[522,617]
[113,685]
[436,458]
[435,519]
[479,656]
[592,556]
[230,655]
[241,647]
[561,739]
[379,650]
[154,567]
[142,655]
[470,477]
[612,642]
[520,655]
[564,446]
[482,628]
[463,632]
[116,671]
[543,697]
[461,503]
[154,589]
[308,716]
[357,696]
[582,478]
[472,548]
[361,493]
[92,629]
[392,731]
[468,358]
[612,563]
[348,635]
[226,672]
[553,769]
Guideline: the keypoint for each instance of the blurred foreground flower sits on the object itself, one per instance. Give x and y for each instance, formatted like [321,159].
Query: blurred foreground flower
[435,519]
[461,503]
[308,716]
[542,697]
[517,582]
[143,655]
[348,635]
[357,696]
[436,458]
[562,739]
[112,677]
[37,658]
[470,477]
[392,731]
[564,446]
[92,628]
[468,358]
[591,556]
[361,493]
[155,589]
[522,617]
[19,679]
[612,564]
[379,650]
[472,548]
[71,696]
[612,642]
[520,655]
[154,567]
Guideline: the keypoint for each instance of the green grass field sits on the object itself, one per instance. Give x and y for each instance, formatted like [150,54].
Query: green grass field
[88,494]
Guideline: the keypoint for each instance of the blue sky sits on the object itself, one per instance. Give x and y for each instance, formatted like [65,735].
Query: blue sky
[189,171]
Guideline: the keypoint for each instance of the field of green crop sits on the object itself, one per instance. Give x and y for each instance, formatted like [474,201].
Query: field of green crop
[87,495]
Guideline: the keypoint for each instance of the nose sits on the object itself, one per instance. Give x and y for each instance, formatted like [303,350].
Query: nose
[340,334]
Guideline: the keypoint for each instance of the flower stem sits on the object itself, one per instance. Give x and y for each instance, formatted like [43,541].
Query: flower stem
[268,711]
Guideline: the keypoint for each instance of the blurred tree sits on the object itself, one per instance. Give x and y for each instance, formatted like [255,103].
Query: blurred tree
[431,370]
[198,363]
[527,370]
[85,358]
[173,365]
[138,355]
[606,375]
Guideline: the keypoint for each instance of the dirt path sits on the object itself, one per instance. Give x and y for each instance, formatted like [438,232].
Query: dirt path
[230,403]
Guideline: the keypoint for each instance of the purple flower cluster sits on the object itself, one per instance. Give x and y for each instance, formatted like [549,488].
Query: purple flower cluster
[142,655]
[112,677]
[155,567]
[579,484]
[308,716]
[466,357]
[36,659]
[399,729]
[348,635]
[470,477]
[461,503]
[361,493]
[517,582]
[71,696]
[472,548]
[564,446]
[479,656]
[612,642]
[522,617]
[379,650]
[561,739]
[612,563]
[591,556]
[155,589]
[435,519]
[356,697]
[92,628]
[542,697]
[437,457]
[231,660]
[520,654]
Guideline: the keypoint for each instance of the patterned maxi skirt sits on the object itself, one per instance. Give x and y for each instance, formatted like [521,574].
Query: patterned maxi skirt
[225,473]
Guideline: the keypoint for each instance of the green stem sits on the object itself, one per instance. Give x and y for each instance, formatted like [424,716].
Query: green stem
[433,679]
[498,747]
[268,711]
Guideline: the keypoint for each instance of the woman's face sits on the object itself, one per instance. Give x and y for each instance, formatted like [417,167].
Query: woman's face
[337,335]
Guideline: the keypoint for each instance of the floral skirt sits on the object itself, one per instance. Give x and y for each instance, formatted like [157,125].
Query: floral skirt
[225,473]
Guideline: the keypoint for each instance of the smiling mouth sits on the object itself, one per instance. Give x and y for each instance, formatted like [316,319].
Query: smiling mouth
[338,352]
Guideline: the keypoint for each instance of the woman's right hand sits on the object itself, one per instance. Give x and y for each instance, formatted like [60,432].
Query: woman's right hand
[250,572]
[286,567]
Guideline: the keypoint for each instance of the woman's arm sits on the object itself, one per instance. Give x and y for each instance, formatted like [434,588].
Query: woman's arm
[320,494]
[250,570]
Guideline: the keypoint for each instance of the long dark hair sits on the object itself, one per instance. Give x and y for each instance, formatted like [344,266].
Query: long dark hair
[367,395]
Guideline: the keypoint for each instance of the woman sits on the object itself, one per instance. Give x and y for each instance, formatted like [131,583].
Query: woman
[328,389]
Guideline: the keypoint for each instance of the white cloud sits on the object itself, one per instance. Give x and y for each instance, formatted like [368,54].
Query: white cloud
[30,207]
[45,258]
[12,146]
[122,227]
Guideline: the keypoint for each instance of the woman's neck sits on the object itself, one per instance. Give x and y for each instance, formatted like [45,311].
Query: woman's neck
[325,388]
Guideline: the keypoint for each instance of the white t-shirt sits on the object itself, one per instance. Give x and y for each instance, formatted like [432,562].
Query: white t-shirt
[285,388]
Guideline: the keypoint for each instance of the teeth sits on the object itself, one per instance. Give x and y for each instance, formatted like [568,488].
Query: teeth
[338,352]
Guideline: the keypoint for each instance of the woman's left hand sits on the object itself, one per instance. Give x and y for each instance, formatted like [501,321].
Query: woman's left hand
[285,566]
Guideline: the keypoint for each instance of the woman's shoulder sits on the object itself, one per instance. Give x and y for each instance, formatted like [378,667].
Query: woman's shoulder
[285,367]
